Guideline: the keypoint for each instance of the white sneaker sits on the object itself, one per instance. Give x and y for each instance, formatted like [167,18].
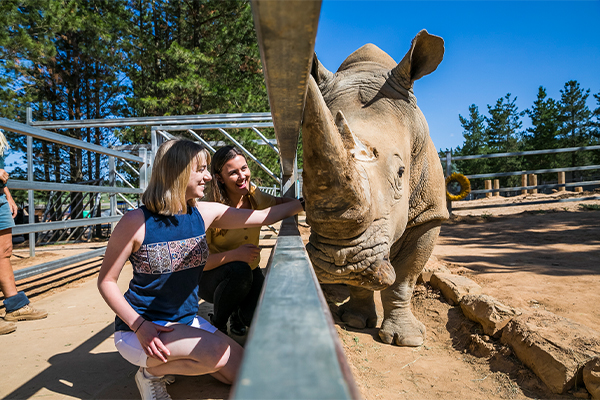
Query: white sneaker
[151,388]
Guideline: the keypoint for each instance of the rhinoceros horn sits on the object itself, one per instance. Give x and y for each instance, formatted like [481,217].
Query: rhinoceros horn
[333,187]
[424,56]
[319,72]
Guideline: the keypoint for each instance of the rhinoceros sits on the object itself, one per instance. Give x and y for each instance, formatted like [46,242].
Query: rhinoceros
[373,183]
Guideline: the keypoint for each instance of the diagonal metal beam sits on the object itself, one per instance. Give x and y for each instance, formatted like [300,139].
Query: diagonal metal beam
[286,33]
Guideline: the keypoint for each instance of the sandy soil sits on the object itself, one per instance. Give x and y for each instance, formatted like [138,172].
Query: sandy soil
[527,256]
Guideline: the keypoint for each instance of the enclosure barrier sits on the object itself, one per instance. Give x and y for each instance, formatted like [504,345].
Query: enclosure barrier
[30,185]
[533,186]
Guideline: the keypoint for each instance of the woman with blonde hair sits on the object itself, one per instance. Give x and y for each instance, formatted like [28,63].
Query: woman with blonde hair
[157,326]
[16,302]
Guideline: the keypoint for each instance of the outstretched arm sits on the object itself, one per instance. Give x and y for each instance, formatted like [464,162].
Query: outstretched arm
[217,215]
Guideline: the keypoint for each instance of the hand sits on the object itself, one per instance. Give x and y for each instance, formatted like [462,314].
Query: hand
[13,207]
[247,253]
[147,334]
[3,176]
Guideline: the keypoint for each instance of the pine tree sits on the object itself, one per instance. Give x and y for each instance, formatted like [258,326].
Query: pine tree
[503,135]
[475,142]
[596,130]
[543,133]
[575,123]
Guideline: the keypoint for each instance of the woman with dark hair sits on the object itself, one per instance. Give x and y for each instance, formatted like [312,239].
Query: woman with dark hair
[232,279]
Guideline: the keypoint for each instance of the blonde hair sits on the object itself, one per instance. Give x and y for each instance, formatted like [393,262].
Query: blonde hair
[171,172]
[3,144]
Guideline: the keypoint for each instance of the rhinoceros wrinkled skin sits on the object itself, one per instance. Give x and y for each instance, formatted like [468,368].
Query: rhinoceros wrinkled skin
[373,183]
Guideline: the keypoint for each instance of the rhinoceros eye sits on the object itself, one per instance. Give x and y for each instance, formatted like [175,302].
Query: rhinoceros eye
[400,171]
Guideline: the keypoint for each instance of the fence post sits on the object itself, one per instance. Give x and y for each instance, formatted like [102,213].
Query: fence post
[112,182]
[488,186]
[533,182]
[497,187]
[30,199]
[144,168]
[448,173]
[561,181]
[524,183]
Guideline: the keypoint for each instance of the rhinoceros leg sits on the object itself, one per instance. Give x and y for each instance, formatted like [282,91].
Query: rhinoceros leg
[399,324]
[359,312]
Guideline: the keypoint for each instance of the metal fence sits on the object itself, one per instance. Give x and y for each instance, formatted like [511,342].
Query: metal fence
[58,223]
[447,163]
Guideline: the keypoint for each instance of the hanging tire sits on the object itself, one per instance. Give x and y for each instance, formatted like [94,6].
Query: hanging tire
[465,186]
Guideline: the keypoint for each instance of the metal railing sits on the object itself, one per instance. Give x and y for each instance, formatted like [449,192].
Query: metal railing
[448,170]
[161,133]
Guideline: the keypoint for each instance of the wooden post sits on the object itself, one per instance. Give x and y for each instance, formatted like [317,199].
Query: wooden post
[496,187]
[533,182]
[561,181]
[524,183]
[488,186]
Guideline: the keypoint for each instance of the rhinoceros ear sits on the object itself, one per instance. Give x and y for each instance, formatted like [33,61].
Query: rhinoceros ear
[424,56]
[319,72]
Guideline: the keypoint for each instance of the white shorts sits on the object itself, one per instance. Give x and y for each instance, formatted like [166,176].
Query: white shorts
[130,348]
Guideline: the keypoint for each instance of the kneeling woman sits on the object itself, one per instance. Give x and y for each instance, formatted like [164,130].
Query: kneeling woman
[157,326]
[232,280]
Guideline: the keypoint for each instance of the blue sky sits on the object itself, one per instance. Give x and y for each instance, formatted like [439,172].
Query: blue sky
[491,48]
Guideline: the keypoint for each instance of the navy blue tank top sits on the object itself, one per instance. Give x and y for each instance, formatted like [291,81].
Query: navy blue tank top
[167,267]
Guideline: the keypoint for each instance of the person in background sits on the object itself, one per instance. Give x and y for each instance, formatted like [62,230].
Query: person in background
[156,326]
[16,303]
[232,279]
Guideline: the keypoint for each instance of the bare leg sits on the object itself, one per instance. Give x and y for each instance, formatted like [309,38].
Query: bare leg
[7,277]
[399,324]
[198,352]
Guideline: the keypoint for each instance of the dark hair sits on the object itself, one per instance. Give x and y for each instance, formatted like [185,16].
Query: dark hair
[219,159]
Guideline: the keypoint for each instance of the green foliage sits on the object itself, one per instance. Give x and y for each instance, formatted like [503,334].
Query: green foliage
[575,122]
[76,59]
[543,134]
[475,142]
[567,122]
[193,57]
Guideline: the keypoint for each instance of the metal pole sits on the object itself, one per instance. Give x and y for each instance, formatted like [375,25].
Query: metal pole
[259,133]
[112,182]
[448,173]
[144,169]
[31,206]
[153,141]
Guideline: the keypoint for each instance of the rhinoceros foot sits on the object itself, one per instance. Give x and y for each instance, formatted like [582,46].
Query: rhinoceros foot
[402,329]
[360,312]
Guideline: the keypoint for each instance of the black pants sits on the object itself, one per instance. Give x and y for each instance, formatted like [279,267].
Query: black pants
[232,287]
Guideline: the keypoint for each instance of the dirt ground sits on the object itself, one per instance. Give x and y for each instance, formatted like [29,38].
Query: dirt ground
[529,256]
[532,256]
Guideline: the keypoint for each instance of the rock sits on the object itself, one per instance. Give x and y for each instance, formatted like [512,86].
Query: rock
[553,347]
[433,265]
[581,394]
[479,348]
[454,287]
[591,377]
[490,313]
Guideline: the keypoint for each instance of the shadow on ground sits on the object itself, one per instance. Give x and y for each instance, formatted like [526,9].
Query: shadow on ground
[81,374]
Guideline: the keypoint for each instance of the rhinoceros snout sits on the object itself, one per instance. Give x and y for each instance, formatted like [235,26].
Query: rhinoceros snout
[378,276]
